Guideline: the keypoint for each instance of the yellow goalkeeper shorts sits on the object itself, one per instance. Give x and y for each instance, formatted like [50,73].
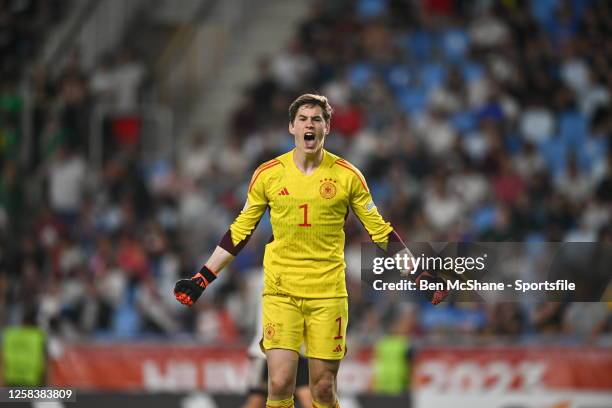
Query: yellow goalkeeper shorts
[318,323]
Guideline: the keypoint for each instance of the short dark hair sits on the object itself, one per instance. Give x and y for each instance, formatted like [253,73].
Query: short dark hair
[311,99]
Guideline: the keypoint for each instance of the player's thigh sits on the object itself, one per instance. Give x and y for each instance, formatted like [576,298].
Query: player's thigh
[326,322]
[282,370]
[323,369]
[283,323]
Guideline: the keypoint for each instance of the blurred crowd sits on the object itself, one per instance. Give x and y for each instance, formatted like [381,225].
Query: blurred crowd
[472,121]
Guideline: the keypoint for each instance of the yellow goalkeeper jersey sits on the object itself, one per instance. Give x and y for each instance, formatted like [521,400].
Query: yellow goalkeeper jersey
[307,212]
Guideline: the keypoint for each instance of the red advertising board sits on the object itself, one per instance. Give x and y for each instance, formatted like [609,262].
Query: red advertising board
[175,368]
[445,370]
[150,367]
[513,369]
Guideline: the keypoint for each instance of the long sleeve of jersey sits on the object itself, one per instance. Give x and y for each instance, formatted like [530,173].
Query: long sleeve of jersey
[256,204]
[363,206]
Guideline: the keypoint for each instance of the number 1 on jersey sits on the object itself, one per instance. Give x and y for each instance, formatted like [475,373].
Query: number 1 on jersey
[305,223]
[339,336]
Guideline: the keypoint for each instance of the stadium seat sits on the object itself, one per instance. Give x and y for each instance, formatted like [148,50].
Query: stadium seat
[535,238]
[573,129]
[421,45]
[359,74]
[463,121]
[554,154]
[397,77]
[591,153]
[432,76]
[484,217]
[472,71]
[455,43]
[513,143]
[490,111]
[126,322]
[412,101]
[544,12]
[536,244]
[367,9]
[381,188]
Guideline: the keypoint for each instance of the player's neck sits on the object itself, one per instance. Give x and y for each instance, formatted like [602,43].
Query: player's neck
[307,162]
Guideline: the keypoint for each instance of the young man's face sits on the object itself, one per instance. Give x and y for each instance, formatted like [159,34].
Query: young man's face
[309,128]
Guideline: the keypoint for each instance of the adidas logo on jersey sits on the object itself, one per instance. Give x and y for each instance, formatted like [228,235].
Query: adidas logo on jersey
[284,191]
[338,348]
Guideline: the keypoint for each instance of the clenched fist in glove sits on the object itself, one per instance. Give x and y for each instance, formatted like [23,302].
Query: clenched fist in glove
[434,296]
[188,291]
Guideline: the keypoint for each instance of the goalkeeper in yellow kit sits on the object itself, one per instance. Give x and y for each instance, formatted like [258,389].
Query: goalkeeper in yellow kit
[309,192]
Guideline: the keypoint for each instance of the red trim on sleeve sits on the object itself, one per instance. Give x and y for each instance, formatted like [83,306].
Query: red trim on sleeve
[263,168]
[346,165]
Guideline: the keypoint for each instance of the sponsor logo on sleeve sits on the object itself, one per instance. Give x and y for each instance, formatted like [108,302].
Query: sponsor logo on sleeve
[369,205]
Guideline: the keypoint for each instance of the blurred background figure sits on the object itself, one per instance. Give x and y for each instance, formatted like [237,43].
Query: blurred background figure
[393,356]
[24,355]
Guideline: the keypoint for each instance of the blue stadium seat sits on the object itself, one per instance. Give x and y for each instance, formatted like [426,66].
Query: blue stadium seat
[591,153]
[579,7]
[432,76]
[367,9]
[436,318]
[474,318]
[471,71]
[451,317]
[483,218]
[286,144]
[534,238]
[554,152]
[397,77]
[544,12]
[455,43]
[573,129]
[412,100]
[513,143]
[359,74]
[463,121]
[536,244]
[491,111]
[126,322]
[421,45]
[381,188]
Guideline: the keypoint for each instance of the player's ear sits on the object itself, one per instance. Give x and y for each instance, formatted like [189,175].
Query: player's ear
[327,126]
[291,127]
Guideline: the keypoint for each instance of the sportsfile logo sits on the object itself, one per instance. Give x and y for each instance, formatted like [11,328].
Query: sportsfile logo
[411,264]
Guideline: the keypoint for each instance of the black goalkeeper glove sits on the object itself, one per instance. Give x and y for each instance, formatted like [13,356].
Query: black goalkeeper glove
[188,291]
[434,296]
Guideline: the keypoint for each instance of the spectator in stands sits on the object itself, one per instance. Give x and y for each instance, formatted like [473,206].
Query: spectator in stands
[127,76]
[66,177]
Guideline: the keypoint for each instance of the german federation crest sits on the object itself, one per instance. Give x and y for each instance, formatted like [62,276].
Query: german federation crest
[269,331]
[328,188]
